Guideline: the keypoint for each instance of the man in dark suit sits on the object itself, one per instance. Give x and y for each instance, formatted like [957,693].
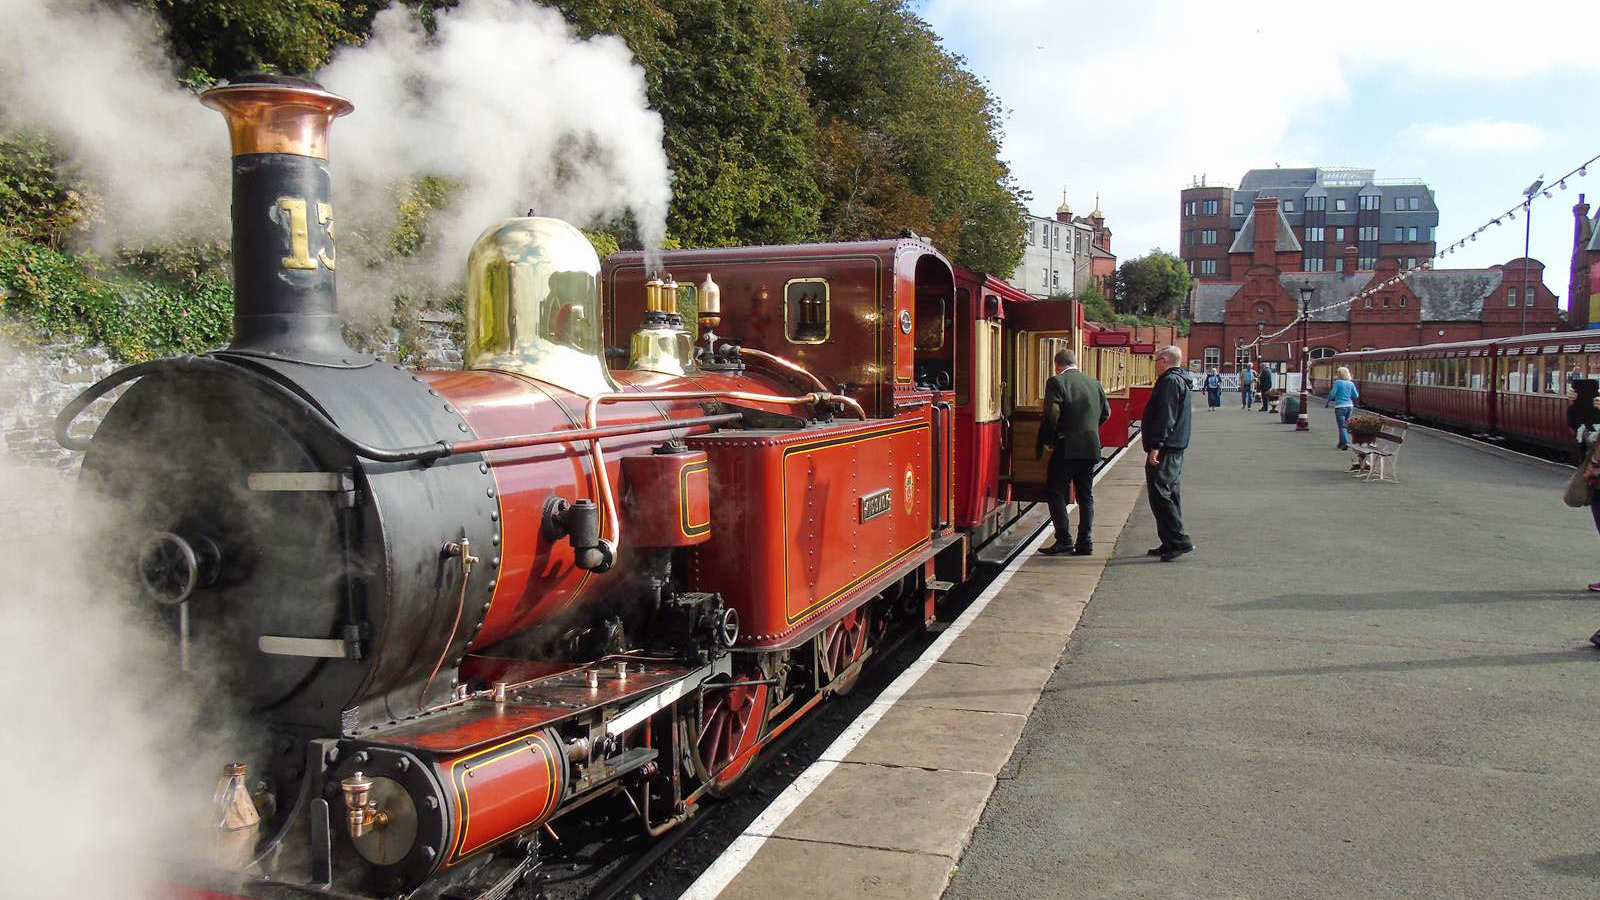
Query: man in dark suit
[1266,385]
[1074,409]
[1165,433]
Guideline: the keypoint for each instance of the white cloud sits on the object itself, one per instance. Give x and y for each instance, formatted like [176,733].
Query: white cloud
[1488,135]
[1135,99]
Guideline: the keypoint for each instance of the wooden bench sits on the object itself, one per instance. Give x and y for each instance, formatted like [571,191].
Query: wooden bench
[1380,460]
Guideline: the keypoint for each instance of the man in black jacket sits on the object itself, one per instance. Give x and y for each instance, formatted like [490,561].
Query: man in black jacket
[1266,385]
[1074,409]
[1166,435]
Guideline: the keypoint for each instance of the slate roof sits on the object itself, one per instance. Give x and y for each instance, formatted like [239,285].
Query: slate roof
[1244,240]
[1454,294]
[1211,300]
[1256,179]
[1327,288]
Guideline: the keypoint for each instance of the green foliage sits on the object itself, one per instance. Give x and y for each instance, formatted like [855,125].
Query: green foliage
[36,204]
[232,37]
[1153,284]
[136,314]
[908,137]
[1096,308]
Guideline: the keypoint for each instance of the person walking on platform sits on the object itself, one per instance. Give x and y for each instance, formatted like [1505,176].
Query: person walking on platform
[1166,436]
[1213,390]
[1266,384]
[1247,380]
[1342,396]
[1075,407]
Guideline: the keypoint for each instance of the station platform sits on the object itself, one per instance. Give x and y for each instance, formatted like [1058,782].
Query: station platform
[1349,690]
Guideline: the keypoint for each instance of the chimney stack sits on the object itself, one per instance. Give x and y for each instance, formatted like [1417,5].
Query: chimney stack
[1266,236]
[284,303]
[1351,255]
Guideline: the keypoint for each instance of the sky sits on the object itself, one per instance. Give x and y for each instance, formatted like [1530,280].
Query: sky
[1136,99]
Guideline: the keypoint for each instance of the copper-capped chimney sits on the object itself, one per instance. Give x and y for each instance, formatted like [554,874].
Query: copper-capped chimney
[284,305]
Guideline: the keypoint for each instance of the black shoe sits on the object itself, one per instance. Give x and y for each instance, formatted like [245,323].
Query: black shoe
[1342,447]
[1056,549]
[1595,639]
[1083,550]
[1158,551]
[1176,552]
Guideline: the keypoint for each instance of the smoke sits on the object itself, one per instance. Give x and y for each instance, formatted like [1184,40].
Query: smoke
[99,81]
[111,771]
[507,105]
[504,102]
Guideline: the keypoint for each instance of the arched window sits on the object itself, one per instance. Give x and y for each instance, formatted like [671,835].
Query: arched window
[1321,353]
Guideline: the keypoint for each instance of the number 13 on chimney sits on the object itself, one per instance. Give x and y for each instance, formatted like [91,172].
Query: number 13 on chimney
[299,256]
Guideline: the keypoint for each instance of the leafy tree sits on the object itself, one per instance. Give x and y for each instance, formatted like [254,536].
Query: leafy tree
[909,138]
[1153,284]
[230,37]
[1096,308]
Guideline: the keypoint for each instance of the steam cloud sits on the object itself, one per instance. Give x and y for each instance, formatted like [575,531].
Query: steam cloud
[111,774]
[504,102]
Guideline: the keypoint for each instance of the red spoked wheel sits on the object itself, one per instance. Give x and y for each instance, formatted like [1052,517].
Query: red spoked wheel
[840,646]
[732,721]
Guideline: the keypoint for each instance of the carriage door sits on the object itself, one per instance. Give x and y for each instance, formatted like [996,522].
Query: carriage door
[1034,332]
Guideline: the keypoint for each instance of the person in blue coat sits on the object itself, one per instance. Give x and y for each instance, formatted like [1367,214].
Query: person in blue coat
[1247,383]
[1342,396]
[1213,390]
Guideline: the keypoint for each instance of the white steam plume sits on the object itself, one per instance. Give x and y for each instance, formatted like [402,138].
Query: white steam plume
[504,101]
[100,81]
[109,772]
[508,104]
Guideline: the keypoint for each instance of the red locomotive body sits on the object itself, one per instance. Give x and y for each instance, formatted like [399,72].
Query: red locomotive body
[458,605]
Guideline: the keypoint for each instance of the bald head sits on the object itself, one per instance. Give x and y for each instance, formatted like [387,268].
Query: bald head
[1170,356]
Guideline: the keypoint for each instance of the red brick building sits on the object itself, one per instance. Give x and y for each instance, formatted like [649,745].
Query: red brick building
[1427,307]
[1583,282]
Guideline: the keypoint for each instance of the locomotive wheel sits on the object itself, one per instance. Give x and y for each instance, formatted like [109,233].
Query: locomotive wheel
[840,646]
[731,724]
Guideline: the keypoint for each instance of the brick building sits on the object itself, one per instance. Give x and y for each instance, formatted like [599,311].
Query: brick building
[1427,307]
[1583,282]
[1324,210]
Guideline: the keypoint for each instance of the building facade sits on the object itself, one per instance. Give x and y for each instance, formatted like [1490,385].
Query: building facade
[1583,280]
[1325,210]
[1427,307]
[1064,255]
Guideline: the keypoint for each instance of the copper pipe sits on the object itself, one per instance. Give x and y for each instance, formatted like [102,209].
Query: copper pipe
[784,364]
[512,442]
[608,501]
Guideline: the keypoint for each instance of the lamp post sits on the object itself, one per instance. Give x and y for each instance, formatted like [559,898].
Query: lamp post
[1527,236]
[1303,421]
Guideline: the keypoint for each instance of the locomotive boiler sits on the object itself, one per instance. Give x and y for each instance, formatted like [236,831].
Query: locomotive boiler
[449,607]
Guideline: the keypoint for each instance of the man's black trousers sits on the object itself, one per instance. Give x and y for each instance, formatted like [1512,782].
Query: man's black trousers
[1079,475]
[1162,482]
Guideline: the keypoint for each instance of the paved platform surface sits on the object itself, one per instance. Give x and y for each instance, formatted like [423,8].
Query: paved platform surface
[890,816]
[1350,691]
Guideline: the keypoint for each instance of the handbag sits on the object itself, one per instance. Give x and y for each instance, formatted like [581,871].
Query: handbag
[1580,488]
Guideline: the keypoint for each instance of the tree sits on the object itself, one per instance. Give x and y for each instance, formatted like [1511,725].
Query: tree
[1096,308]
[909,137]
[1153,284]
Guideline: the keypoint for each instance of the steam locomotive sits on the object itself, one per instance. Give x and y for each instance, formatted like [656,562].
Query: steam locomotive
[454,606]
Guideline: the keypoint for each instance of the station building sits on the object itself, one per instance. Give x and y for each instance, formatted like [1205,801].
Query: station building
[1426,307]
[1583,283]
[1325,209]
[1066,254]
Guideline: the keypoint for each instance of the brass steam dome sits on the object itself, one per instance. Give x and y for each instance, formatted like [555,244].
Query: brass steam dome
[533,305]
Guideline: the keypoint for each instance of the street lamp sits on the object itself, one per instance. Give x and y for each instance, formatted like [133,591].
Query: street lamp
[1527,235]
[1303,422]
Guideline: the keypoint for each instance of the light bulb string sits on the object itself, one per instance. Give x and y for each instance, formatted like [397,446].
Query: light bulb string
[1578,171]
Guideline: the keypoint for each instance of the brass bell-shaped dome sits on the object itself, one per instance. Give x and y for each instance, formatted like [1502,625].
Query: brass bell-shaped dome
[533,306]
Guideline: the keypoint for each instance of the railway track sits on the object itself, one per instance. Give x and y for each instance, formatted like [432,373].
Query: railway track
[590,862]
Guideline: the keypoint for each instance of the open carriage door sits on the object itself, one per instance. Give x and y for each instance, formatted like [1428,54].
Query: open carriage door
[1034,332]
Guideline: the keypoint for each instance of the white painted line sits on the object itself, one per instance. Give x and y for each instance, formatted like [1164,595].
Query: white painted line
[733,860]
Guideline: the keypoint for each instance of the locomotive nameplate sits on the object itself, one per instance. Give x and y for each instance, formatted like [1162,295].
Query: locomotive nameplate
[876,504]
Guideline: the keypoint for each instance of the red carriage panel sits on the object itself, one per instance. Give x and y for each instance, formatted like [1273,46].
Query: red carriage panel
[802,521]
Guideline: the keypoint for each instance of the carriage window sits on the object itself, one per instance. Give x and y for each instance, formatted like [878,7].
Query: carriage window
[806,317]
[930,323]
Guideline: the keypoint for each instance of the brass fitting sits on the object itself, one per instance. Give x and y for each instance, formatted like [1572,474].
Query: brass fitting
[238,820]
[710,296]
[652,295]
[361,812]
